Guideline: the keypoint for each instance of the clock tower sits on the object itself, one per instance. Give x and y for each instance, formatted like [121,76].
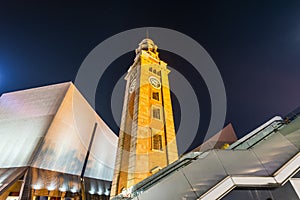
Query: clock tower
[147,140]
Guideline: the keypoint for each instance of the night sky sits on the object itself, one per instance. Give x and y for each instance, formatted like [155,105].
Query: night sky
[255,45]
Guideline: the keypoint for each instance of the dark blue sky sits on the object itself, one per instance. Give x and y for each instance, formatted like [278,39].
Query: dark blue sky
[255,44]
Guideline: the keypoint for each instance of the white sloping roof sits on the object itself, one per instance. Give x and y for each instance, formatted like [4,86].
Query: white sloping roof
[55,132]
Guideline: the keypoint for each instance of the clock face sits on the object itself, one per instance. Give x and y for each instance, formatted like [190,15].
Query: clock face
[132,85]
[155,82]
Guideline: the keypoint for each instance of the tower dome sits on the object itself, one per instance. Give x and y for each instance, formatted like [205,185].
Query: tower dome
[148,45]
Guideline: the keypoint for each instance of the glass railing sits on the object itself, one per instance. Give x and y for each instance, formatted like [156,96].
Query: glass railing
[257,136]
[293,115]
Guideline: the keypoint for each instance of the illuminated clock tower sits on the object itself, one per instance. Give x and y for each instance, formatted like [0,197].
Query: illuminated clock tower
[147,140]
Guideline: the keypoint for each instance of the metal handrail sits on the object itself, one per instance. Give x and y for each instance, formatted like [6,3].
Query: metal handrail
[281,122]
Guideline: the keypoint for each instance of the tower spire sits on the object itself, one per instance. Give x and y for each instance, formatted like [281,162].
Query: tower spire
[147,33]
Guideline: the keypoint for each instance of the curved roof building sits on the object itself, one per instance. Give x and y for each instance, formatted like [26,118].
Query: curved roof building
[50,137]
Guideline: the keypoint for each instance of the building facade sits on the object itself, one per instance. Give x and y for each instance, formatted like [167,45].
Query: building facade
[147,139]
[45,136]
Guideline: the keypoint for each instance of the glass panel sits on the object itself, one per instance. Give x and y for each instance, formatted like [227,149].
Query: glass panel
[173,187]
[292,132]
[274,151]
[253,140]
[241,162]
[242,146]
[205,172]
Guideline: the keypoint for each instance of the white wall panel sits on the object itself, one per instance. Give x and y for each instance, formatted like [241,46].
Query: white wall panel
[24,119]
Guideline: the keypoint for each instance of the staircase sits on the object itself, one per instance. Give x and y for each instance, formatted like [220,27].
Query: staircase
[267,157]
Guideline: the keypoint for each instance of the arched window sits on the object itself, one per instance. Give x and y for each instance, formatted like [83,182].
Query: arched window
[157,142]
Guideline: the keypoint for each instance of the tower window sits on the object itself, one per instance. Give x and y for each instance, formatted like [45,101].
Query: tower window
[158,73]
[154,71]
[157,142]
[155,95]
[156,113]
[150,69]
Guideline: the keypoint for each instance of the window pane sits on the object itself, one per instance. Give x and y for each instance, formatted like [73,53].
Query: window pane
[156,113]
[157,142]
[155,95]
